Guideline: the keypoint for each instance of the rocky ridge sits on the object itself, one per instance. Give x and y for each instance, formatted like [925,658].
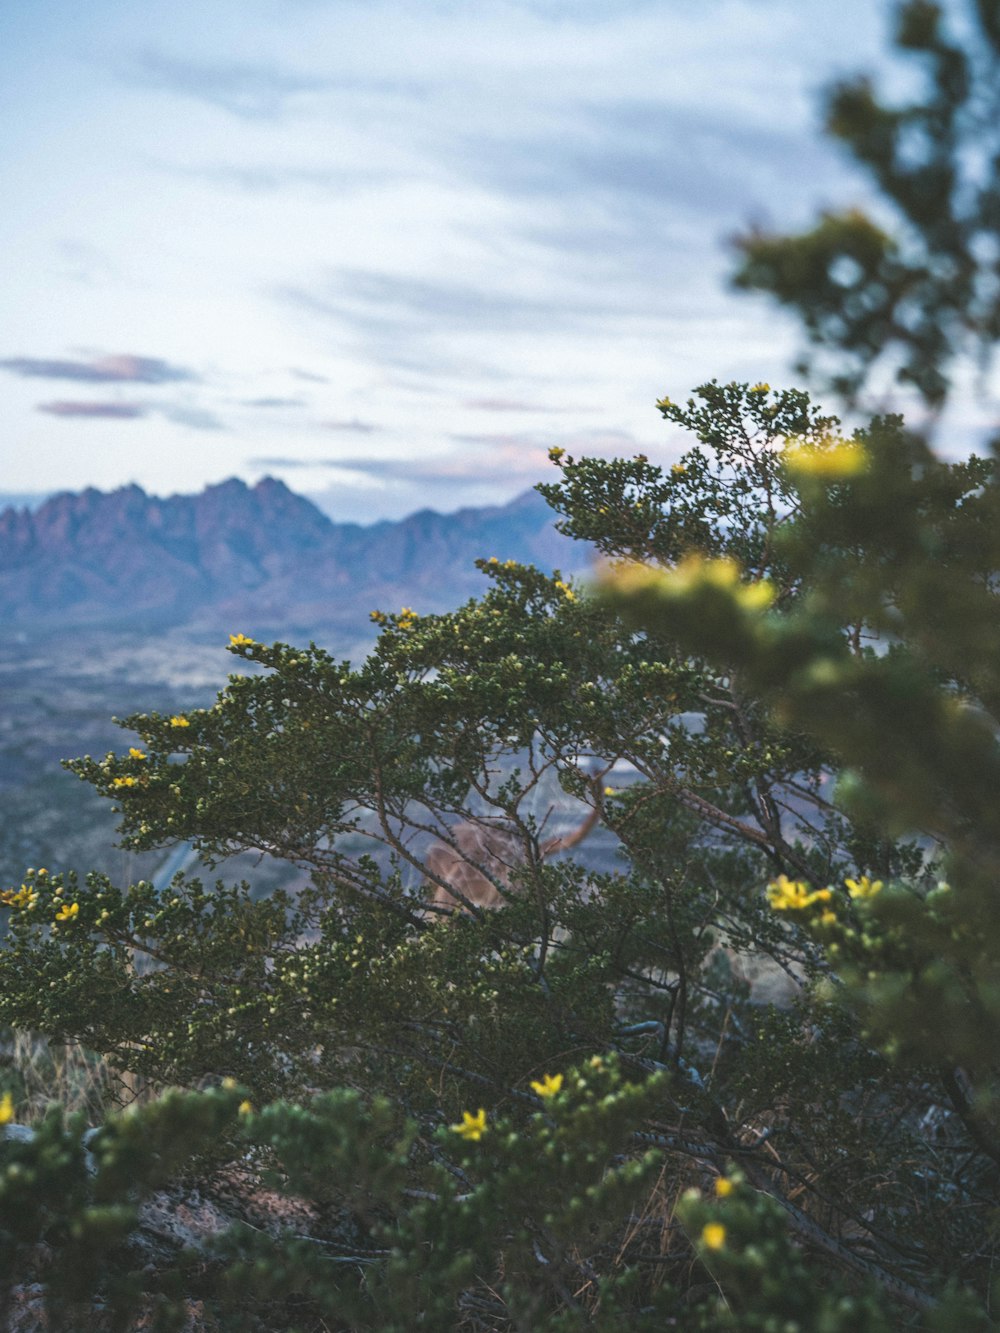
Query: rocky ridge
[258,557]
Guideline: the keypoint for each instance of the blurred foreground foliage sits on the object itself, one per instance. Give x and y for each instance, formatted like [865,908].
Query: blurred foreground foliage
[747,1078]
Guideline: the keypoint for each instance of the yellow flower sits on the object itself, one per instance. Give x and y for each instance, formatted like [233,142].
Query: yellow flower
[67,912]
[566,590]
[693,572]
[555,453]
[793,895]
[610,791]
[240,640]
[834,460]
[179,722]
[723,1187]
[828,918]
[761,388]
[678,469]
[6,1109]
[127,781]
[863,887]
[22,897]
[245,1108]
[787,895]
[133,753]
[473,1127]
[713,1236]
[548,1087]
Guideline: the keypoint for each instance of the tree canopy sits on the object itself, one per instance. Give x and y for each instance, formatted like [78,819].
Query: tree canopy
[782,702]
[908,284]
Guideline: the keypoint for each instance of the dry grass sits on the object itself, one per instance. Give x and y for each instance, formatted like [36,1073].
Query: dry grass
[38,1072]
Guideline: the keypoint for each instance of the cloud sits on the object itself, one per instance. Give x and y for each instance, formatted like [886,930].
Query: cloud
[273,402]
[440,326]
[121,411]
[252,91]
[122,369]
[510,405]
[309,376]
[280,462]
[195,418]
[265,179]
[358,427]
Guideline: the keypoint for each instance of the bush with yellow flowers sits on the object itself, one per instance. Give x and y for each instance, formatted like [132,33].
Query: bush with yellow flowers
[778,704]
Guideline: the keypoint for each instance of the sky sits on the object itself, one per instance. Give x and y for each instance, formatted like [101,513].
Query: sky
[392,251]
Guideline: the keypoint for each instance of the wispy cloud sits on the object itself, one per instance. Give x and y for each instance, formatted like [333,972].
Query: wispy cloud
[513,459]
[309,376]
[286,462]
[120,411]
[510,405]
[353,426]
[123,369]
[273,402]
[253,91]
[195,418]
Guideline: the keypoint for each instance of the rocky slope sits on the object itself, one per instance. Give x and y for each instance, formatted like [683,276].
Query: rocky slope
[260,558]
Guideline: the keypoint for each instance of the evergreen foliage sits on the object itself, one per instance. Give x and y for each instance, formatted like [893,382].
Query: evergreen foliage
[783,703]
[911,282]
[595,1107]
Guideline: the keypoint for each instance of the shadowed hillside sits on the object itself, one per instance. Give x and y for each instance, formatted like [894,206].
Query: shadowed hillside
[259,558]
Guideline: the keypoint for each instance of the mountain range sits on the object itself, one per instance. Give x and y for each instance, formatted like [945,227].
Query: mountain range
[259,559]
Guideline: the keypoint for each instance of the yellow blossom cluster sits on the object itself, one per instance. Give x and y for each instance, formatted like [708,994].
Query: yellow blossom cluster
[407,618]
[179,721]
[696,571]
[134,753]
[566,590]
[473,1127]
[22,897]
[678,469]
[834,460]
[548,1087]
[68,911]
[794,895]
[240,641]
[555,453]
[713,1236]
[863,887]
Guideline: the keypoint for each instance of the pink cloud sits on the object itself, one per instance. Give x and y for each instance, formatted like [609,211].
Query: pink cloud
[119,411]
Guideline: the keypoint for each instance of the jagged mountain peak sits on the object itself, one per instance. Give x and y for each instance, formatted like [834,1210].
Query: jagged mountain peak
[262,554]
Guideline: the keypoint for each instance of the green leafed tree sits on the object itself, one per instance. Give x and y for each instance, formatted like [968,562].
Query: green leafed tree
[912,283]
[787,682]
[737,1070]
